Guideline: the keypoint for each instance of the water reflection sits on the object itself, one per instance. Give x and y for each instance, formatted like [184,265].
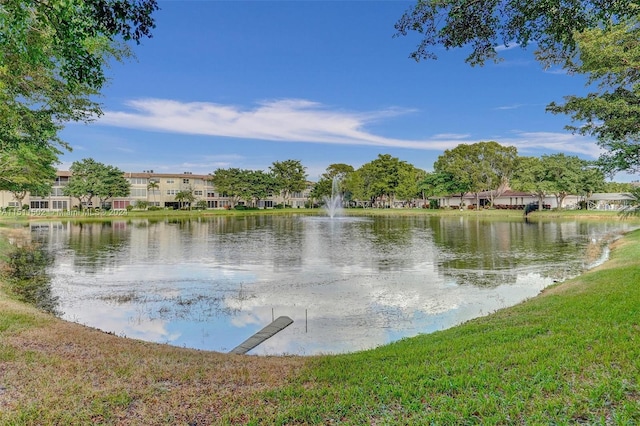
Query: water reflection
[348,283]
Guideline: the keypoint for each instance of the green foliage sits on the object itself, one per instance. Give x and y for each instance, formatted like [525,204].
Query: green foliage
[557,174]
[597,39]
[27,168]
[568,356]
[90,179]
[483,166]
[324,186]
[483,25]
[52,59]
[610,57]
[289,176]
[382,179]
[185,197]
[634,208]
[25,272]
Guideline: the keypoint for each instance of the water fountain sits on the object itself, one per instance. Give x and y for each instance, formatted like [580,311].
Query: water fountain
[333,204]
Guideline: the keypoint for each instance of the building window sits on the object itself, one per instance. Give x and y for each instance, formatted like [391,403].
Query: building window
[198,192]
[138,192]
[39,204]
[172,191]
[138,181]
[169,180]
[185,181]
[210,194]
[120,204]
[59,205]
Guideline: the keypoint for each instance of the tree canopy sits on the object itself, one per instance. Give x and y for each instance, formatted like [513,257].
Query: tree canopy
[599,39]
[484,25]
[27,168]
[90,179]
[610,58]
[290,176]
[52,60]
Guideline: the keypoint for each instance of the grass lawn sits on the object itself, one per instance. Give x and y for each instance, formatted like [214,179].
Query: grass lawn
[570,355]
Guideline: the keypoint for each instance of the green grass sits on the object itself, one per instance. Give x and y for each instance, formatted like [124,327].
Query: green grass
[571,355]
[568,356]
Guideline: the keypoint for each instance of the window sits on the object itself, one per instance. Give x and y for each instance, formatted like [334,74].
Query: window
[185,181]
[59,205]
[138,181]
[138,192]
[170,181]
[198,192]
[211,194]
[61,181]
[172,191]
[57,192]
[39,204]
[120,204]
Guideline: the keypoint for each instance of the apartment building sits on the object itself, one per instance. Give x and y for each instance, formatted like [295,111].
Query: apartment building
[156,189]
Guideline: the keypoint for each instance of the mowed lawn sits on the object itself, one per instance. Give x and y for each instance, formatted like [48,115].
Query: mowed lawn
[568,356]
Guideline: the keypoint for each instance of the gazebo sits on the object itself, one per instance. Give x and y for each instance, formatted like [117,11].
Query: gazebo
[609,201]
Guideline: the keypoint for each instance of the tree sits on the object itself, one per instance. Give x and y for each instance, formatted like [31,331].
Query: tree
[438,184]
[90,179]
[52,59]
[110,183]
[153,187]
[324,186]
[610,58]
[260,185]
[483,25]
[409,181]
[27,169]
[230,182]
[185,197]
[483,166]
[381,179]
[532,177]
[594,38]
[290,176]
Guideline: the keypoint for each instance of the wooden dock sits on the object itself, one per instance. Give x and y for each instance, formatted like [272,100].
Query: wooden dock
[269,331]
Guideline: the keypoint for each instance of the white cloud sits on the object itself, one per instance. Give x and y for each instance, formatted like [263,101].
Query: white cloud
[508,107]
[299,120]
[287,120]
[553,141]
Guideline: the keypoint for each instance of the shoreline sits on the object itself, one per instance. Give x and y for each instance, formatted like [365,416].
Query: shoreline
[53,371]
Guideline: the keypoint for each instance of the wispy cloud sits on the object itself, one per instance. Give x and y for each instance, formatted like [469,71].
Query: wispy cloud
[299,120]
[552,141]
[504,47]
[508,107]
[287,120]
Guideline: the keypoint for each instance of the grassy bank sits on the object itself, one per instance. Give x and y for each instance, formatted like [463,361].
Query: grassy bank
[571,355]
[26,217]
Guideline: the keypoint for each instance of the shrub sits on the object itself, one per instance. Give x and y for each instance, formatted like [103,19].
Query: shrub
[28,280]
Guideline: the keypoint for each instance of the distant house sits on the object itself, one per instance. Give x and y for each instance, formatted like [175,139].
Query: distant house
[609,201]
[509,199]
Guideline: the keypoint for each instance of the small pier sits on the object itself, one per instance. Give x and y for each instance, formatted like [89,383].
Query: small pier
[269,331]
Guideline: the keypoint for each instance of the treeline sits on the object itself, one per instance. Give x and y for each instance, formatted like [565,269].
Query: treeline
[484,167]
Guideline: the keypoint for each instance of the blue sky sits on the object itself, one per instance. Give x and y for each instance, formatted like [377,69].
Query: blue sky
[246,83]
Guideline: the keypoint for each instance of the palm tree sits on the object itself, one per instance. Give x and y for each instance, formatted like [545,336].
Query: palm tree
[153,187]
[632,209]
[185,196]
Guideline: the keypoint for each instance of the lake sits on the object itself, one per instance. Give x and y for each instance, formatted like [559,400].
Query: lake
[348,283]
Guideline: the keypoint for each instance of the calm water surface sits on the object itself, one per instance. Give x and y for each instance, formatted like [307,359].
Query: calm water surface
[348,283]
